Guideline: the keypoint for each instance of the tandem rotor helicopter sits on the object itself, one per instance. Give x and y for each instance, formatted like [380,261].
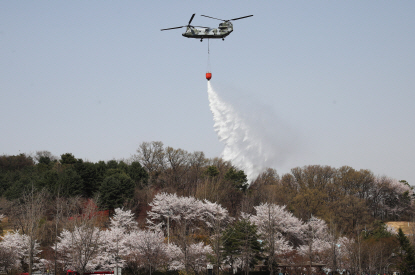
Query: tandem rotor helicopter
[222,31]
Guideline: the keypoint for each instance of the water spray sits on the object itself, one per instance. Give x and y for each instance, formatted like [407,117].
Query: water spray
[235,133]
[254,137]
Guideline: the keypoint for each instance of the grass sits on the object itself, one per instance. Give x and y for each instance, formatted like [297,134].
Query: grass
[408,228]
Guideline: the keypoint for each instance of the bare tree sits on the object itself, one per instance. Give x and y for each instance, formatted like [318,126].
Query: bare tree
[178,166]
[28,213]
[63,209]
[42,155]
[152,157]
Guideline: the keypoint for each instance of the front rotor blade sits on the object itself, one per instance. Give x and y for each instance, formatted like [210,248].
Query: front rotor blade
[213,17]
[173,28]
[241,17]
[192,18]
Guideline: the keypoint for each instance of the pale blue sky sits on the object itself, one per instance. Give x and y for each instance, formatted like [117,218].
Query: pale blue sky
[97,78]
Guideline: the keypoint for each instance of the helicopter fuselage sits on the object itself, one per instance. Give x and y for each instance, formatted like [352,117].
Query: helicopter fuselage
[222,31]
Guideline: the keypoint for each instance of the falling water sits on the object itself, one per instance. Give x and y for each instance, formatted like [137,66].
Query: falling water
[251,137]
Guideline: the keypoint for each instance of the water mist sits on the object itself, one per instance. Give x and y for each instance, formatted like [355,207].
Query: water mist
[254,138]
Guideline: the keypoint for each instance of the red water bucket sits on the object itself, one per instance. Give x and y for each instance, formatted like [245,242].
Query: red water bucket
[208,76]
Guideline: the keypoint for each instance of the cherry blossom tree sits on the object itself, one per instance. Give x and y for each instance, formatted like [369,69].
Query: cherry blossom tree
[80,245]
[123,219]
[350,257]
[78,249]
[216,218]
[63,209]
[113,249]
[8,259]
[183,216]
[198,256]
[180,210]
[182,213]
[11,252]
[277,228]
[390,198]
[146,250]
[28,212]
[15,249]
[175,255]
[316,238]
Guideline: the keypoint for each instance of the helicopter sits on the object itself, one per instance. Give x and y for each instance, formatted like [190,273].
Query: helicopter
[225,28]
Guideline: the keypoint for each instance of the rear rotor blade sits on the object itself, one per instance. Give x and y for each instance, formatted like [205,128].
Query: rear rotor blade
[190,21]
[173,28]
[213,17]
[240,17]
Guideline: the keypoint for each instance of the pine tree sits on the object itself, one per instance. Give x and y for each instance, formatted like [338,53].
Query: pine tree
[406,254]
[241,240]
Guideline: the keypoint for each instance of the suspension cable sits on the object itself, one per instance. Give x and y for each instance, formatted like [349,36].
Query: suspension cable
[208,63]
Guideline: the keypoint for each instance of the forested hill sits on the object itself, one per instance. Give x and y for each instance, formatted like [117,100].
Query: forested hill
[340,195]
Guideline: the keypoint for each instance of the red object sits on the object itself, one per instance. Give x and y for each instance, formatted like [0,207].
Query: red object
[208,76]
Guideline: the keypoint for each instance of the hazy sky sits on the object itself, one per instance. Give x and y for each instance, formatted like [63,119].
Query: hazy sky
[97,78]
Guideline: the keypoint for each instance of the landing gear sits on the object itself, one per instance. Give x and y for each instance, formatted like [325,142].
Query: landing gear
[201,40]
[223,39]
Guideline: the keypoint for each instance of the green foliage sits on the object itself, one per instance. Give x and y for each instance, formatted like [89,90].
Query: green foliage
[123,166]
[67,158]
[343,195]
[90,178]
[138,174]
[241,239]
[406,254]
[115,190]
[378,231]
[212,171]
[17,181]
[13,163]
[406,183]
[45,160]
[16,190]
[238,178]
[112,164]
[70,183]
[48,180]
[71,177]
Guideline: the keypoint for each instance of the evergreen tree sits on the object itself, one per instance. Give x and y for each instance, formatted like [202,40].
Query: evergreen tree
[138,174]
[115,190]
[238,178]
[68,158]
[241,240]
[406,254]
[70,183]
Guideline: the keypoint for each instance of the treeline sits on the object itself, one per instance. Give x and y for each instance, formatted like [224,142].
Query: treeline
[70,177]
[341,195]
[184,235]
[188,197]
